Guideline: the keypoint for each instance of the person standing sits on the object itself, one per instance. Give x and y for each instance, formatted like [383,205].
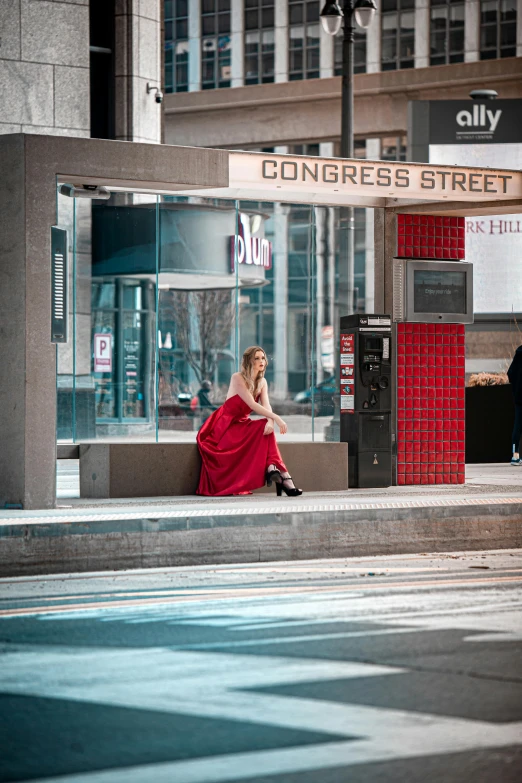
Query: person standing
[200,403]
[515,378]
[239,454]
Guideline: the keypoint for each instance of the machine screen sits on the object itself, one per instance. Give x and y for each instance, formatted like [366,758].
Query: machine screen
[373,344]
[439,291]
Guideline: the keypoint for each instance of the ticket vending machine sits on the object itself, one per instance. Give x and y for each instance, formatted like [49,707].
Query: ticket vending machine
[365,367]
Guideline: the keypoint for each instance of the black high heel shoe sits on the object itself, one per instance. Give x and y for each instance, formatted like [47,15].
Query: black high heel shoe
[273,475]
[292,492]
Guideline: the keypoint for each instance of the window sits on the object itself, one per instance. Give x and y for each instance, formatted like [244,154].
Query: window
[393,148]
[259,41]
[359,53]
[176,46]
[303,42]
[498,29]
[311,150]
[446,32]
[215,44]
[397,34]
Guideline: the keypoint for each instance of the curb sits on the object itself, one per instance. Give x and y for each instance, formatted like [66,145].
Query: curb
[98,542]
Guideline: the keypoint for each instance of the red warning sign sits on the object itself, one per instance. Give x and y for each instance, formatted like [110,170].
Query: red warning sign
[347,342]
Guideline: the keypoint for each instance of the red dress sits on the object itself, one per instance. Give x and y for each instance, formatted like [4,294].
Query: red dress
[234,451]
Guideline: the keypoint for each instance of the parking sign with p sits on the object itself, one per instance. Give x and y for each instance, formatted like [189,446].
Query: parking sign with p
[103,353]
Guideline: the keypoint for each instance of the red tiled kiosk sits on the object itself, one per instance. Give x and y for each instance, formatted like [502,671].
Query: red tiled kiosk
[430,369]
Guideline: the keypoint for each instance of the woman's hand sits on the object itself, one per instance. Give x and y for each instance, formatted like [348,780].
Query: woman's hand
[269,427]
[283,428]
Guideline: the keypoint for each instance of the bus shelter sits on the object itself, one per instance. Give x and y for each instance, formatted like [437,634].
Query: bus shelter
[145,221]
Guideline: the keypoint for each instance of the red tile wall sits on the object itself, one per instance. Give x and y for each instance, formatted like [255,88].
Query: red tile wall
[430,369]
[430,404]
[427,236]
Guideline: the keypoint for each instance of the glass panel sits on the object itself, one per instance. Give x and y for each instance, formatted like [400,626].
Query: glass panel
[197,342]
[208,25]
[508,34]
[457,15]
[438,17]
[312,12]
[389,49]
[251,20]
[182,29]
[296,14]
[488,12]
[267,17]
[389,23]
[508,10]
[488,37]
[112,346]
[65,369]
[438,41]
[407,22]
[169,291]
[407,46]
[456,38]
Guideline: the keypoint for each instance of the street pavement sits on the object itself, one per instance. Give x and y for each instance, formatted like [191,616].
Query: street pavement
[390,670]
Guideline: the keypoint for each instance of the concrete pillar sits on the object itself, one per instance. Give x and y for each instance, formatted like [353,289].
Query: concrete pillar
[472,31]
[137,63]
[27,357]
[422,33]
[326,55]
[373,44]
[385,247]
[373,152]
[194,25]
[238,48]
[281,40]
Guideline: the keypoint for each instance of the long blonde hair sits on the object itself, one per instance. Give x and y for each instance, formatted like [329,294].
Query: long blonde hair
[246,369]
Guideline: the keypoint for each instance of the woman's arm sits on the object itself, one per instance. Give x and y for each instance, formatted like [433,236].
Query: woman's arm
[265,402]
[238,386]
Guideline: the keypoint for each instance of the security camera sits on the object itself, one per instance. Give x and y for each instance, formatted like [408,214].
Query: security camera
[85,191]
[158,97]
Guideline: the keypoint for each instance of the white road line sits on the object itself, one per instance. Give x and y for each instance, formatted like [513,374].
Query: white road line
[213,686]
[423,741]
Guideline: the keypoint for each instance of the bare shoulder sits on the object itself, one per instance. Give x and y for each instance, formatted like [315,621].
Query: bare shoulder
[237,380]
[263,384]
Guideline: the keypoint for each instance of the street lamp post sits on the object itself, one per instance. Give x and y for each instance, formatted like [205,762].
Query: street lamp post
[332,17]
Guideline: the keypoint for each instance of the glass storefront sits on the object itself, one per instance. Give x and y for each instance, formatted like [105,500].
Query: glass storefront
[167,292]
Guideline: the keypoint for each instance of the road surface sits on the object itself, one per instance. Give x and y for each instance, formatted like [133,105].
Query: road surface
[389,670]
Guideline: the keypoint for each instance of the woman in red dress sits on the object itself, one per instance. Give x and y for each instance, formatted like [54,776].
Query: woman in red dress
[238,453]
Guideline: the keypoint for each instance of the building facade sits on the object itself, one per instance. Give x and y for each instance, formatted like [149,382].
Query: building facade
[237,74]
[262,74]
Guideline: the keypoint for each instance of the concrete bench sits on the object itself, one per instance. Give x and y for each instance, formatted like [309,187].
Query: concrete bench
[127,470]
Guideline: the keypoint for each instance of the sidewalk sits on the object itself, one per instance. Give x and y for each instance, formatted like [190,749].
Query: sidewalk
[81,535]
